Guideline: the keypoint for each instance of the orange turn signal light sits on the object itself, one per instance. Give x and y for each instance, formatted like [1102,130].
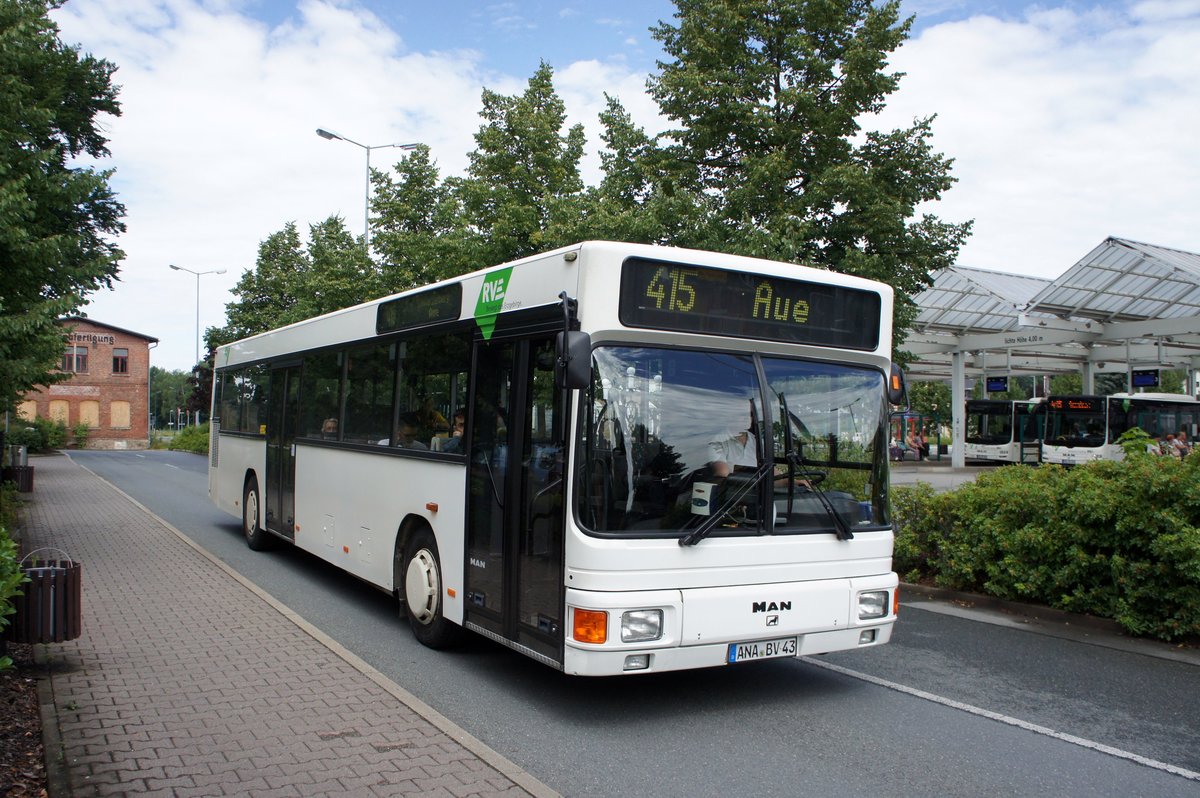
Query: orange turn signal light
[896,602]
[591,626]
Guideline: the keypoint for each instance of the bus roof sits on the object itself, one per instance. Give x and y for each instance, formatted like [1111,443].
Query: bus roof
[531,282]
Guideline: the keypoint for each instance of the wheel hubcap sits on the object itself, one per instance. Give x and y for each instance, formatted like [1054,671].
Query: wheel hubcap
[250,521]
[422,586]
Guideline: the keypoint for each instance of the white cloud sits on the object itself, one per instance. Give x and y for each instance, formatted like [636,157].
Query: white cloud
[1066,127]
[215,148]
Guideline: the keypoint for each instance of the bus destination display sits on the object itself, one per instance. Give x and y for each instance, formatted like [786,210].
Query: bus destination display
[419,310]
[1081,404]
[674,296]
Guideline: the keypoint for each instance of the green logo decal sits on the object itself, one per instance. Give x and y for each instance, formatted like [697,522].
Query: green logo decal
[491,300]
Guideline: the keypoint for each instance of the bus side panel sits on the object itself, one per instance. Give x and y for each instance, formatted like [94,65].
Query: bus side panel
[236,455]
[350,506]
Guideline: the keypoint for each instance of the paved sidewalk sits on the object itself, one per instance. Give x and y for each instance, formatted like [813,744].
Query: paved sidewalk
[188,681]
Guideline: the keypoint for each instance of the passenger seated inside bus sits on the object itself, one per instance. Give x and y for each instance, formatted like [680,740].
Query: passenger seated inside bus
[406,432]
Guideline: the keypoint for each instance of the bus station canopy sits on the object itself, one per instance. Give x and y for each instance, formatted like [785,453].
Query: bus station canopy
[1126,305]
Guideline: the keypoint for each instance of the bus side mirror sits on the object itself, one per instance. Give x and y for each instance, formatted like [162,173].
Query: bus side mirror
[896,392]
[573,360]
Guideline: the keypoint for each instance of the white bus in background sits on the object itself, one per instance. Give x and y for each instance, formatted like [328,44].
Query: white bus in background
[667,458]
[1080,429]
[1004,430]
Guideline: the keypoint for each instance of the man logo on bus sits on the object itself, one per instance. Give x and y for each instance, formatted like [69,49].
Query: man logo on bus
[771,606]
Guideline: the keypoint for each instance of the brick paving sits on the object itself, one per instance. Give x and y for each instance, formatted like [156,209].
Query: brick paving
[188,682]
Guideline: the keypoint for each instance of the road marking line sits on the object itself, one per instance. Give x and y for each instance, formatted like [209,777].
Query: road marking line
[1011,721]
[168,465]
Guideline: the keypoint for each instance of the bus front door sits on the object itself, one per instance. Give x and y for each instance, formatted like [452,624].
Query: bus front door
[281,451]
[515,505]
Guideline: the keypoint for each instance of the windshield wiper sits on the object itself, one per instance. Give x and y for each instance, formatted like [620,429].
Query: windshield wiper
[705,529]
[813,478]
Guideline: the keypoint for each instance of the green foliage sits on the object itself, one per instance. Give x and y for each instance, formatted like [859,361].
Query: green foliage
[929,398]
[191,439]
[292,282]
[169,390]
[1117,540]
[1136,442]
[768,96]
[81,432]
[11,575]
[39,435]
[57,221]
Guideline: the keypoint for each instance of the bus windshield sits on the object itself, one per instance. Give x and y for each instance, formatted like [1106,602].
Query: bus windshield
[989,423]
[1075,423]
[673,437]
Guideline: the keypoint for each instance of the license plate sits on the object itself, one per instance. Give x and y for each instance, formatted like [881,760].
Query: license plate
[761,649]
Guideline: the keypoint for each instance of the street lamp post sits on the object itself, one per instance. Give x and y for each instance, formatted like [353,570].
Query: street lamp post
[330,135]
[198,276]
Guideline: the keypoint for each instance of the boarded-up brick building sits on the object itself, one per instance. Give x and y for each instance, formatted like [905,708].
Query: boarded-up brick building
[109,388]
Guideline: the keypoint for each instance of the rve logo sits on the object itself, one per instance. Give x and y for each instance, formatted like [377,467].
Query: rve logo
[491,300]
[493,290]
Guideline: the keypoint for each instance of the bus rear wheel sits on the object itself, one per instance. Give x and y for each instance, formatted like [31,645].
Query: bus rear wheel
[257,538]
[423,593]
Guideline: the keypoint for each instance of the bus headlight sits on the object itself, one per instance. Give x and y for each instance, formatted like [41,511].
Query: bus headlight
[639,626]
[872,605]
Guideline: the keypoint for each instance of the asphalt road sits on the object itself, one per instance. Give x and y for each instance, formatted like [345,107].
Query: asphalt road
[957,703]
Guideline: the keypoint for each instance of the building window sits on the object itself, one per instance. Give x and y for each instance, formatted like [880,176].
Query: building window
[120,361]
[60,410]
[89,413]
[75,359]
[119,415]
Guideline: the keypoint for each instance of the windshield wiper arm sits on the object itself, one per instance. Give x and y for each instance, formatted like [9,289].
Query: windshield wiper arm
[705,529]
[843,529]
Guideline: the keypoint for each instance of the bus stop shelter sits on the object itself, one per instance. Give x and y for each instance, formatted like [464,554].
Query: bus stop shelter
[1126,307]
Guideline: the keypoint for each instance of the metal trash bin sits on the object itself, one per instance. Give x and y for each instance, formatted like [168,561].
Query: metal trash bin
[49,608]
[21,475]
[18,455]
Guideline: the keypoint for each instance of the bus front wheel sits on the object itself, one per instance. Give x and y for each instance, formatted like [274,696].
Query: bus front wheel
[257,538]
[423,593]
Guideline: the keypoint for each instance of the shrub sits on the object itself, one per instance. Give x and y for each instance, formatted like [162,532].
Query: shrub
[1119,540]
[191,439]
[39,435]
[11,579]
[81,434]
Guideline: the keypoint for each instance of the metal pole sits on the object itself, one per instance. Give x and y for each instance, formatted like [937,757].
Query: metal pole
[197,360]
[367,204]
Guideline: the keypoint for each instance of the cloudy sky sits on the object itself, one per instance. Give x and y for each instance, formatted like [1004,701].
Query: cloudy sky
[1069,120]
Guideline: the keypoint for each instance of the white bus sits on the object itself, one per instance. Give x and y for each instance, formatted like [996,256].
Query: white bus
[1004,430]
[1080,429]
[669,458]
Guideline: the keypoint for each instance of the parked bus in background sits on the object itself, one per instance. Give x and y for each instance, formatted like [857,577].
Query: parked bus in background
[1080,429]
[1004,430]
[666,459]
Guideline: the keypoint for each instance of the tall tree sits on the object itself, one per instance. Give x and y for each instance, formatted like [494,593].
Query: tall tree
[420,230]
[768,98]
[339,274]
[524,174]
[58,219]
[291,282]
[267,294]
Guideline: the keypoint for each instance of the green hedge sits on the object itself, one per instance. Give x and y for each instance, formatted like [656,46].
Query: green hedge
[191,439]
[39,435]
[1116,540]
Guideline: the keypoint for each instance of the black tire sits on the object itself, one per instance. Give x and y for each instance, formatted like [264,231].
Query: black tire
[257,538]
[422,586]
